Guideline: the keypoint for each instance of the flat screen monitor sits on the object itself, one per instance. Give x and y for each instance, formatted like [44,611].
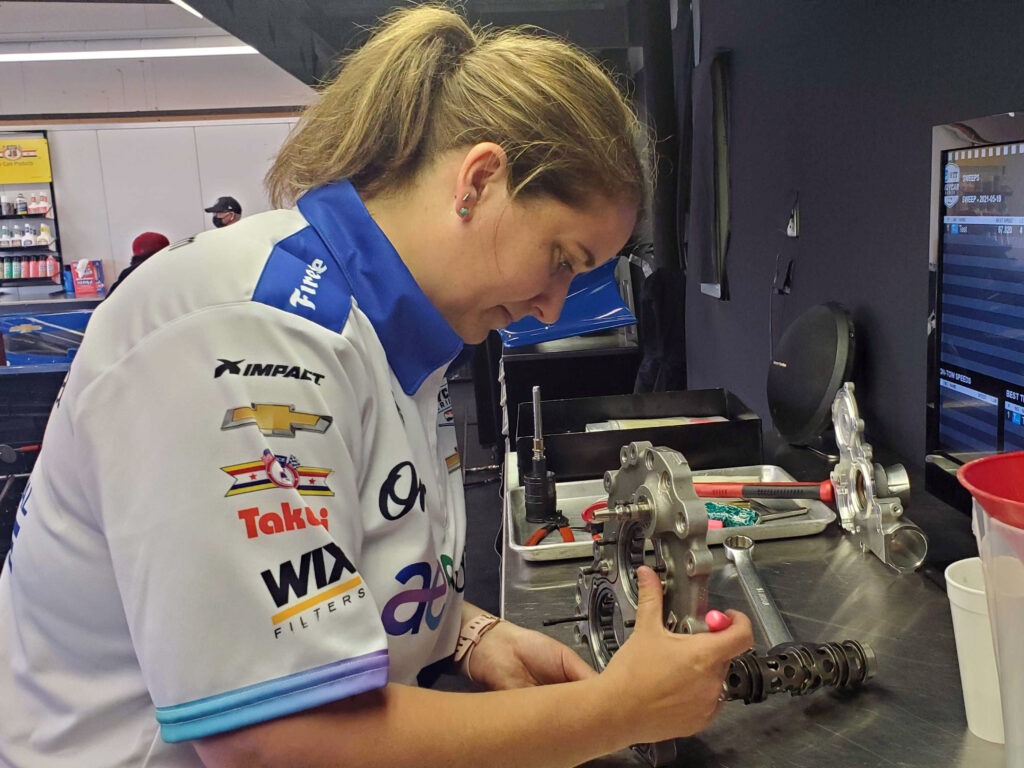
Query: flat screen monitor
[976,376]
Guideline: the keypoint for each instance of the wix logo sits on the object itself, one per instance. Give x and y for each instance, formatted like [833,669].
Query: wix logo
[313,566]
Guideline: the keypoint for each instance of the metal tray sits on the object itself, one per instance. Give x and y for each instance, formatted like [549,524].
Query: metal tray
[575,496]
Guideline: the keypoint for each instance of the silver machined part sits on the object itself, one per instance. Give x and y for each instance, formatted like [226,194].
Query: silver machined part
[740,550]
[870,497]
[650,499]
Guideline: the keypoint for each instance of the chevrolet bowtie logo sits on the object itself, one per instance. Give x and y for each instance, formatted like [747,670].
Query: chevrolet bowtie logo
[275,420]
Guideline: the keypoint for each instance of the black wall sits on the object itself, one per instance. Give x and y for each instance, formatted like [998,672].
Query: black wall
[837,100]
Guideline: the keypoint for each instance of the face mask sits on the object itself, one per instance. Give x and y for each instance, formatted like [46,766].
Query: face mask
[217,222]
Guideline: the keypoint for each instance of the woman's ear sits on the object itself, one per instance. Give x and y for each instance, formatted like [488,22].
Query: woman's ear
[482,177]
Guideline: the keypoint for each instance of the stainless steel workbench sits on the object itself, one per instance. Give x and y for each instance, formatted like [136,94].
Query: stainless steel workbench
[910,715]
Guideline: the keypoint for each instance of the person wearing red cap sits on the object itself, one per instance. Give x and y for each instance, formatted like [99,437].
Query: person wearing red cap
[143,246]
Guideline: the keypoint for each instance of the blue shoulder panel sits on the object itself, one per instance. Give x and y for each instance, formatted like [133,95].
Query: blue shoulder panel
[301,277]
[415,336]
[274,698]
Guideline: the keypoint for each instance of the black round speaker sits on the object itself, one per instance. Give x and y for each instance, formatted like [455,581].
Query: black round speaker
[811,361]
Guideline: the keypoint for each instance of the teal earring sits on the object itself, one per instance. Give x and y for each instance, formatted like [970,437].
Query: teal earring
[464,211]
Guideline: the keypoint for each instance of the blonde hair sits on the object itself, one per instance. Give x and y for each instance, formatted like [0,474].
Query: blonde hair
[426,82]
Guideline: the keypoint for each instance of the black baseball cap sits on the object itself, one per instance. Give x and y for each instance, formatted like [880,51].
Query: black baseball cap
[224,204]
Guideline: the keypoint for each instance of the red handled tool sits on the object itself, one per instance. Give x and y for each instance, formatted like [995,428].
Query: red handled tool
[561,525]
[823,491]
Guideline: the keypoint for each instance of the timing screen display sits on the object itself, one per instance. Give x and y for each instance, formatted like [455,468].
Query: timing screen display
[980,320]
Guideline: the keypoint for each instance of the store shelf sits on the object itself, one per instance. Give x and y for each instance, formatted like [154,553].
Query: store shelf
[15,282]
[16,216]
[10,251]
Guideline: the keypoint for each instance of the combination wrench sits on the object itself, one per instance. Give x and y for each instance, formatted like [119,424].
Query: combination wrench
[740,551]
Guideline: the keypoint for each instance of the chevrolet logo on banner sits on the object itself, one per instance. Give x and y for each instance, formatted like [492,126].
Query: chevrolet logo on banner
[275,420]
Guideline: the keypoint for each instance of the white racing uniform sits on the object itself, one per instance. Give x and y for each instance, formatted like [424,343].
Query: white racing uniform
[248,502]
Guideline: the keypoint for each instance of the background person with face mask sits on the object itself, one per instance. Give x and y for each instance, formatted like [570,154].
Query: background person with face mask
[225,211]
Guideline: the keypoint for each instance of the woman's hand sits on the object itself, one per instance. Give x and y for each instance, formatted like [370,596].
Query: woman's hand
[668,685]
[509,656]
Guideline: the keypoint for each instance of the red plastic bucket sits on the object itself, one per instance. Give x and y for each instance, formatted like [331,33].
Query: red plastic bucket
[997,483]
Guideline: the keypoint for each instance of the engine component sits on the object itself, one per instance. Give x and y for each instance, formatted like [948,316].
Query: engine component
[799,668]
[651,497]
[870,497]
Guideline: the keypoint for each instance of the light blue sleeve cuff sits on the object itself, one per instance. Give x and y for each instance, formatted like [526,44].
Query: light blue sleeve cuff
[274,698]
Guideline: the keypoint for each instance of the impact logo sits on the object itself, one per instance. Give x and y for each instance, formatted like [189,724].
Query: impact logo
[275,420]
[325,574]
[288,519]
[234,368]
[951,185]
[275,471]
[401,491]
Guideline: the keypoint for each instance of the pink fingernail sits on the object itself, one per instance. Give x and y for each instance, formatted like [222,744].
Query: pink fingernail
[717,621]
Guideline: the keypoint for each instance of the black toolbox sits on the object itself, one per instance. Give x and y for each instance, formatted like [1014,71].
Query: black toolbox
[573,453]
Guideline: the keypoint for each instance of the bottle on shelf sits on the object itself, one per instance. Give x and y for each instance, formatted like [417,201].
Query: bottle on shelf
[20,204]
[45,236]
[51,266]
[44,203]
[16,236]
[6,209]
[28,239]
[15,268]
[5,236]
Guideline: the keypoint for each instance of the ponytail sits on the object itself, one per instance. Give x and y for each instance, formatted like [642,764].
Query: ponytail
[369,123]
[426,83]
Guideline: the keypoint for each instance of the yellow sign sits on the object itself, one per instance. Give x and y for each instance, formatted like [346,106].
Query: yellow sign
[24,161]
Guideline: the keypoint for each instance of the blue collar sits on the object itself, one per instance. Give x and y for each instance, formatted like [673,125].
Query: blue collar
[416,338]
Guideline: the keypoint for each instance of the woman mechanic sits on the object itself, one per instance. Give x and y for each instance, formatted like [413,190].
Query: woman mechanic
[242,541]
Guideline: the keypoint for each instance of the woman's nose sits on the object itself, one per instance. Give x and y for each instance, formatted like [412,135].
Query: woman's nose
[548,305]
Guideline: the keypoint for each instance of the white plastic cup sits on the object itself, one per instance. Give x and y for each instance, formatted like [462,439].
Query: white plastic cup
[965,587]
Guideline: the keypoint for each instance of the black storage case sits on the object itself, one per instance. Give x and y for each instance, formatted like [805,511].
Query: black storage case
[26,399]
[574,454]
